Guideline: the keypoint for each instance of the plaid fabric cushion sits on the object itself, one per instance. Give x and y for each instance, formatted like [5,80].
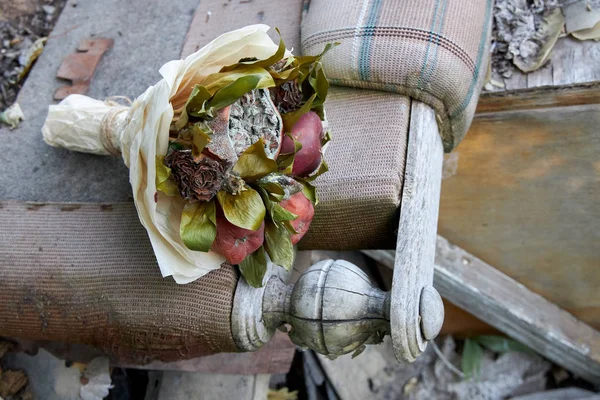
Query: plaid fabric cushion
[435,51]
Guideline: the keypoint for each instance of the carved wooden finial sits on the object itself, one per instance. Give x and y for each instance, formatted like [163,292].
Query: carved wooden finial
[333,309]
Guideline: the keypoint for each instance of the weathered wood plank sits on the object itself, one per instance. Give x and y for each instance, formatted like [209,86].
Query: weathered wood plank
[572,62]
[571,77]
[457,322]
[539,97]
[525,197]
[527,317]
[509,306]
[416,233]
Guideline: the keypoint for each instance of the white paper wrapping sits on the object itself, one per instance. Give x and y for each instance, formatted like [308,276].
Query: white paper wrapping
[142,132]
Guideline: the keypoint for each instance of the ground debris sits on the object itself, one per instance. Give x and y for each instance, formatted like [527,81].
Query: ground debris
[582,19]
[523,34]
[12,115]
[5,347]
[96,381]
[11,382]
[282,394]
[22,33]
[500,376]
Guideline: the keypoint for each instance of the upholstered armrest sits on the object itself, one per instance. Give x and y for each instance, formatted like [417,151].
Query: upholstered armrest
[435,51]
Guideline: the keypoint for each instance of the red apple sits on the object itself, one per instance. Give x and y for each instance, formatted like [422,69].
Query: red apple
[235,243]
[300,205]
[309,132]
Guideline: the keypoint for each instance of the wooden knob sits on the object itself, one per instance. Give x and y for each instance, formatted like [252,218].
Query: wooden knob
[431,311]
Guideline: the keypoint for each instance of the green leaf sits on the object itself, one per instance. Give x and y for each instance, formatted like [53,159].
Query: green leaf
[254,162]
[196,103]
[306,63]
[200,137]
[176,145]
[309,190]
[277,213]
[290,228]
[276,197]
[279,185]
[279,245]
[319,84]
[215,82]
[289,61]
[323,167]
[182,121]
[278,55]
[501,344]
[272,187]
[290,119]
[285,162]
[163,182]
[326,138]
[245,209]
[222,89]
[198,227]
[283,76]
[232,92]
[280,214]
[254,267]
[471,358]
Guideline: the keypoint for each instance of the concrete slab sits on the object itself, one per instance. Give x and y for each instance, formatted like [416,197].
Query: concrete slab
[147,34]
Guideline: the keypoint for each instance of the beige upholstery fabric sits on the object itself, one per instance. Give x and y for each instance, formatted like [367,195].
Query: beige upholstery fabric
[435,51]
[87,274]
[360,195]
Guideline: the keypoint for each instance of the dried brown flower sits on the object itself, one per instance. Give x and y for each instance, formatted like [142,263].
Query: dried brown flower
[196,180]
[287,97]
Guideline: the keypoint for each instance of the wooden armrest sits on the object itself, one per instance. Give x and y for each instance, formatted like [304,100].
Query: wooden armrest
[334,308]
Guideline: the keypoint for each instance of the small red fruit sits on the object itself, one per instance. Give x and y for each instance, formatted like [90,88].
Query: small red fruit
[235,243]
[309,132]
[300,205]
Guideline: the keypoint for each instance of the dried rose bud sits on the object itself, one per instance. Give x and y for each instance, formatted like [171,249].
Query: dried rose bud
[300,205]
[309,132]
[196,180]
[235,243]
[287,96]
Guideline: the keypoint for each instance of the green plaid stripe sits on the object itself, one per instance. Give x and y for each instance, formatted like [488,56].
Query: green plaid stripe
[434,40]
[480,53]
[365,48]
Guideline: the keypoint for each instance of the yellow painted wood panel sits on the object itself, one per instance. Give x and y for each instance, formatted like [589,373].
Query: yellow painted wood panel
[522,192]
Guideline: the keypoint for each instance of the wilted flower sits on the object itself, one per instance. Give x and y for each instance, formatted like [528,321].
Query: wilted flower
[288,96]
[197,180]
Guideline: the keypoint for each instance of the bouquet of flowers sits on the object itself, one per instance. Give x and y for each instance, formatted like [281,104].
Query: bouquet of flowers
[222,152]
